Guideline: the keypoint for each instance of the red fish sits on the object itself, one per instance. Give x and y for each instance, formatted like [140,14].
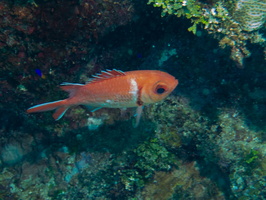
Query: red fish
[114,89]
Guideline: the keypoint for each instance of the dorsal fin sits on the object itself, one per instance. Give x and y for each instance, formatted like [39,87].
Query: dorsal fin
[71,88]
[106,75]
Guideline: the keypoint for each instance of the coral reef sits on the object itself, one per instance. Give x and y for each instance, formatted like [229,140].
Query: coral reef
[234,23]
[190,9]
[182,183]
[53,39]
[226,144]
[250,14]
[152,156]
[11,154]
[205,141]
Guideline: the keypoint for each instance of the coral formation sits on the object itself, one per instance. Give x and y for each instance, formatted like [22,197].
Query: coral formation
[251,14]
[41,40]
[177,183]
[206,141]
[11,154]
[190,9]
[226,141]
[152,156]
[234,23]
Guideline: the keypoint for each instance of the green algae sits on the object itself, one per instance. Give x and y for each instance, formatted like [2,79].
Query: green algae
[189,9]
[151,156]
[131,179]
[227,141]
[133,170]
[237,21]
[252,156]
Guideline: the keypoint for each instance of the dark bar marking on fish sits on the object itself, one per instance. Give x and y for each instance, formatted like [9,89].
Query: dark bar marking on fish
[139,101]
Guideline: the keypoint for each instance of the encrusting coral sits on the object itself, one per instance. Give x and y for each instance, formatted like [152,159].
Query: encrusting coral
[226,144]
[206,141]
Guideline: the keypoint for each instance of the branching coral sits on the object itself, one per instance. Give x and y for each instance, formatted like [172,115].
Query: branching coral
[190,9]
[234,23]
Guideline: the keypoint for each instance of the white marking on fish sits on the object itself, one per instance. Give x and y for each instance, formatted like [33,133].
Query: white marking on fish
[109,101]
[134,89]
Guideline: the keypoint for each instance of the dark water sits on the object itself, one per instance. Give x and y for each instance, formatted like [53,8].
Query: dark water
[204,141]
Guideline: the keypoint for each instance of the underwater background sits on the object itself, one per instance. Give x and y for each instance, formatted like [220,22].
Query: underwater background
[205,141]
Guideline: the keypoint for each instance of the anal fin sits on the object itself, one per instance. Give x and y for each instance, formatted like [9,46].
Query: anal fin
[58,114]
[93,109]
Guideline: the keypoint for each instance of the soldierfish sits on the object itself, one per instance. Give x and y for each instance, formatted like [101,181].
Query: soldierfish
[114,89]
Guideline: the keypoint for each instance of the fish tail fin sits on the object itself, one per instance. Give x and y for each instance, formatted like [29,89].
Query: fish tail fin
[60,107]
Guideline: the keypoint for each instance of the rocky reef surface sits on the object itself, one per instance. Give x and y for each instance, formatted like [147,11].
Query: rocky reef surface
[205,141]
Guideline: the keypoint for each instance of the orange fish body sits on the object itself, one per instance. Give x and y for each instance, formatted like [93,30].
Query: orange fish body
[114,89]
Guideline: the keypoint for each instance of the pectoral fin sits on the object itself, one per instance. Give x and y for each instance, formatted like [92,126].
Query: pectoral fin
[138,115]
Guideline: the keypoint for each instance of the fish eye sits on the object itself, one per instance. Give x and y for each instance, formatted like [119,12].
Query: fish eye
[160,89]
